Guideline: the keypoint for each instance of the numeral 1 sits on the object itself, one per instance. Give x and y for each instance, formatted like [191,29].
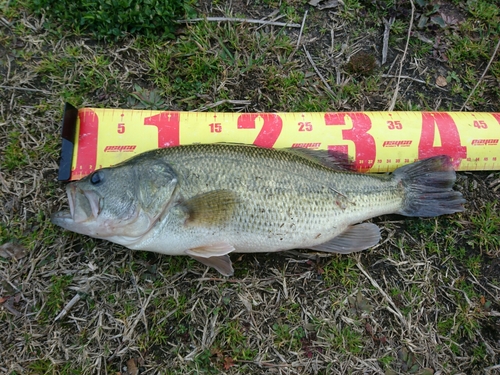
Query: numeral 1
[168,128]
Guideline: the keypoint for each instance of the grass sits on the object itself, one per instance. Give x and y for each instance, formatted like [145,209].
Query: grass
[424,301]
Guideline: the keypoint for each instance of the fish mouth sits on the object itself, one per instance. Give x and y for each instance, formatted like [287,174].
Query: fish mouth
[84,206]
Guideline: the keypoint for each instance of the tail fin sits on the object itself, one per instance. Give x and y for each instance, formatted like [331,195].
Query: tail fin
[429,188]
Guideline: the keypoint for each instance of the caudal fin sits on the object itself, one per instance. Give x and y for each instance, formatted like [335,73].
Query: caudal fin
[429,188]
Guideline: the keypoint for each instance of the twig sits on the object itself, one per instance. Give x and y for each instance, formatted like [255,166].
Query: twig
[247,20]
[403,77]
[385,45]
[24,89]
[395,96]
[301,29]
[412,79]
[482,76]
[68,307]
[327,86]
[220,102]
[488,369]
[394,309]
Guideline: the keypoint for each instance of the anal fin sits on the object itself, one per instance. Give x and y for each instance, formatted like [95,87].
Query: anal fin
[221,263]
[354,238]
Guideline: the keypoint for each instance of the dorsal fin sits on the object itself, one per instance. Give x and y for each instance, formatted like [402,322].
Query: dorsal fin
[328,158]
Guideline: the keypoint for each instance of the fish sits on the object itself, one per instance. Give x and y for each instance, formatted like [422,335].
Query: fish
[207,201]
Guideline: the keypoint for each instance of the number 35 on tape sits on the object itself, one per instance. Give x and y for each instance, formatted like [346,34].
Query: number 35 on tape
[376,141]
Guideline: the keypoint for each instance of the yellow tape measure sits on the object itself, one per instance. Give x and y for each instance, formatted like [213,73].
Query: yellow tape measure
[376,141]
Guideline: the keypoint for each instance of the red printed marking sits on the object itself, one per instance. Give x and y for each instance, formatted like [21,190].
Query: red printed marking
[271,129]
[365,148]
[306,145]
[480,124]
[397,143]
[168,128]
[305,126]
[128,148]
[484,142]
[215,127]
[448,132]
[86,155]
[391,125]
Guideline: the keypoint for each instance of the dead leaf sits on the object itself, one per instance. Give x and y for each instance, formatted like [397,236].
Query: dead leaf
[441,81]
[12,250]
[451,16]
[325,5]
[8,304]
[132,368]
[359,304]
[228,363]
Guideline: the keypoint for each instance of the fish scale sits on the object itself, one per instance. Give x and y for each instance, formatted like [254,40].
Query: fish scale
[207,201]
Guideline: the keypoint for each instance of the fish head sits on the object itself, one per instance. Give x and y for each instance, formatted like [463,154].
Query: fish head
[122,202]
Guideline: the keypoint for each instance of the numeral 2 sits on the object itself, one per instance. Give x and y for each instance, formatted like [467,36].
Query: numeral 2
[270,131]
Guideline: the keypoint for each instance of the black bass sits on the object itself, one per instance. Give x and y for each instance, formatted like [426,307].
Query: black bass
[207,201]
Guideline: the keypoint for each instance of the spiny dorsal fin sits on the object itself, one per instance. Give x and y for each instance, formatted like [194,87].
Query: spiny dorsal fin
[355,238]
[209,209]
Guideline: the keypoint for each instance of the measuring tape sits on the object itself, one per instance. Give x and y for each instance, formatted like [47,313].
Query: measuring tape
[376,141]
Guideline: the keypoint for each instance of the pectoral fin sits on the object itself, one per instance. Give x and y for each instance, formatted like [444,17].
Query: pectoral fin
[220,263]
[210,209]
[355,238]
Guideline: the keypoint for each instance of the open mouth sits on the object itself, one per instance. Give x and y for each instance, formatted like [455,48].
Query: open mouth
[83,205]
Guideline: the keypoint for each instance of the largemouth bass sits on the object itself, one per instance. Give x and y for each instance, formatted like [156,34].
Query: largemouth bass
[207,201]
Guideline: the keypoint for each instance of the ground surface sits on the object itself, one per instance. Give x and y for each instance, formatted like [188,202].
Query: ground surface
[425,301]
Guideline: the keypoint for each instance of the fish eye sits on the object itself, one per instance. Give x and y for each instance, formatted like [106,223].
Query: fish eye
[96,178]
